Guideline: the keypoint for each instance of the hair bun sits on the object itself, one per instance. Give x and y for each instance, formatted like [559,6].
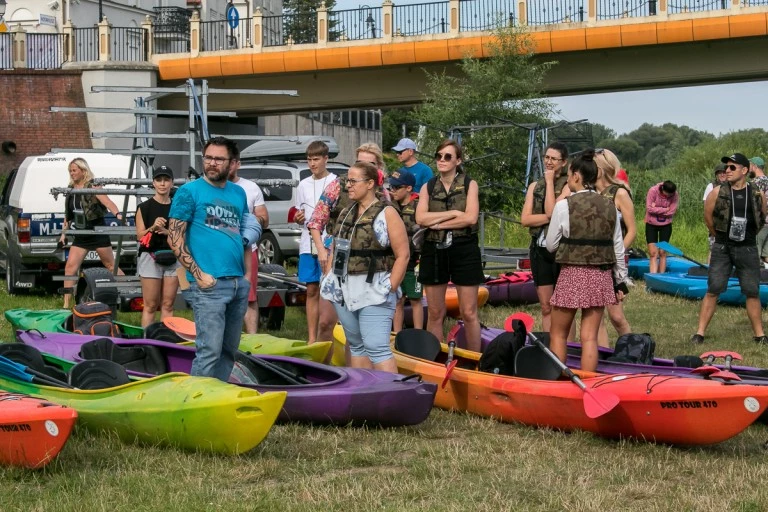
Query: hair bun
[588,154]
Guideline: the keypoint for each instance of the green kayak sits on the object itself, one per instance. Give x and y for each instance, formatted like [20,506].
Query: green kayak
[56,320]
[192,413]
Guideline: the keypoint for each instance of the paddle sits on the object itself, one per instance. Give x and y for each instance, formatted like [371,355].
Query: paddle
[527,320]
[671,249]
[596,401]
[18,371]
[450,362]
[287,375]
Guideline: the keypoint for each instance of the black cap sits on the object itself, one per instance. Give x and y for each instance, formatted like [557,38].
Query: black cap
[737,158]
[163,170]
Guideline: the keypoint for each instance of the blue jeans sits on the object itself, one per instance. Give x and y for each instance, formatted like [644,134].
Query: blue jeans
[368,329]
[219,312]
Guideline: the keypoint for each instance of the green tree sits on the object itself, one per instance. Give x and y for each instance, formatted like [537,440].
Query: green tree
[300,20]
[505,87]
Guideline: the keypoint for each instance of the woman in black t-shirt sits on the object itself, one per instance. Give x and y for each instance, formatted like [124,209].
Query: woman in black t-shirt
[157,264]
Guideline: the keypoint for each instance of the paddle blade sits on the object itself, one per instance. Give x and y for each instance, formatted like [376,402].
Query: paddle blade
[598,402]
[527,320]
[448,372]
[14,370]
[181,326]
[669,248]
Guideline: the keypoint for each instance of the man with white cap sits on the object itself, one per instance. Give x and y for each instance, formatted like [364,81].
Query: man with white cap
[406,155]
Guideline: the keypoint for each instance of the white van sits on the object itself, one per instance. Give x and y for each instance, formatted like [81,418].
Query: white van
[31,219]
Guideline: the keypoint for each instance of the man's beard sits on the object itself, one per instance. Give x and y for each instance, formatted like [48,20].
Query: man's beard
[215,175]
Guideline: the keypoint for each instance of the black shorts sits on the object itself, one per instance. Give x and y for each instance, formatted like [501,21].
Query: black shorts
[544,268]
[656,234]
[91,242]
[460,264]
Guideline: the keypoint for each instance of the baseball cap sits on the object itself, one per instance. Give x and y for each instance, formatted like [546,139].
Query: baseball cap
[758,161]
[400,178]
[737,158]
[404,144]
[163,170]
[720,167]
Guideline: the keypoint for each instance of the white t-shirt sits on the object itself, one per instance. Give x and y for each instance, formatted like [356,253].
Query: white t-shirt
[708,190]
[307,195]
[253,195]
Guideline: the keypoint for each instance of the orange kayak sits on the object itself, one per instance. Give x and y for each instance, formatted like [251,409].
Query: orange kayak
[32,431]
[452,300]
[655,408]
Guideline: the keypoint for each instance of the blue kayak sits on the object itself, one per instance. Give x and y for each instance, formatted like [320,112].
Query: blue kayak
[695,287]
[637,267]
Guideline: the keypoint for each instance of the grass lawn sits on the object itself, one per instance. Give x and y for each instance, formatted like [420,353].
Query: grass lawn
[451,462]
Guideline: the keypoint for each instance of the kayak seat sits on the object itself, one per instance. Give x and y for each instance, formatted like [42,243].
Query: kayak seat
[160,332]
[97,374]
[418,343]
[688,361]
[532,363]
[267,373]
[30,357]
[137,358]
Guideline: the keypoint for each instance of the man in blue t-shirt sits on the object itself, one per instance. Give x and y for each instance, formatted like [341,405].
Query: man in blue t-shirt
[204,232]
[406,154]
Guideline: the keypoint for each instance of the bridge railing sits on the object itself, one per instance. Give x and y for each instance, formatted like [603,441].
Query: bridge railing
[177,30]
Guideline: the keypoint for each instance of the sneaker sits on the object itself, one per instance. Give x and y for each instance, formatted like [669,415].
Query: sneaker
[697,338]
[761,340]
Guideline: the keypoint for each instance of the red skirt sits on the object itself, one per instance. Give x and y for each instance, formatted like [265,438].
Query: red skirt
[581,287]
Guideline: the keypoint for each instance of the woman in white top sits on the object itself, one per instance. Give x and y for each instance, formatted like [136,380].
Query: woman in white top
[370,256]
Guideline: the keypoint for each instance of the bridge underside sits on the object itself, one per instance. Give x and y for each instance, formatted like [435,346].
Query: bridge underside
[577,72]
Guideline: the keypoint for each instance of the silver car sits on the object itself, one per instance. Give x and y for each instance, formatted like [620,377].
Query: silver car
[281,239]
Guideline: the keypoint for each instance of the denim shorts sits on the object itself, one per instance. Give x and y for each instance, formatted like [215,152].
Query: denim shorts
[367,329]
[747,262]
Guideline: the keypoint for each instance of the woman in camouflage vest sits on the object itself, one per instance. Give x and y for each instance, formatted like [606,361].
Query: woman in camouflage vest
[91,208]
[370,256]
[586,233]
[617,191]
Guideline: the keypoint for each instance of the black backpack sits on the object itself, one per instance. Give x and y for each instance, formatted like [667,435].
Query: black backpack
[634,348]
[499,356]
[94,318]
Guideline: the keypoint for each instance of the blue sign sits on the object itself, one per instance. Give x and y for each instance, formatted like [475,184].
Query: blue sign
[233,17]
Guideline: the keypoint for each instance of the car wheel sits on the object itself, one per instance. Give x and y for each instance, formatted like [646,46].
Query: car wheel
[87,291]
[269,250]
[10,276]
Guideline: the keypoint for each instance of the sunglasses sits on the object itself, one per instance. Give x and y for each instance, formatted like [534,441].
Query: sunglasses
[445,157]
[731,167]
[396,187]
[400,152]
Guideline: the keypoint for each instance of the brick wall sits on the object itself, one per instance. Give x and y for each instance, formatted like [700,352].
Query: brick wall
[25,116]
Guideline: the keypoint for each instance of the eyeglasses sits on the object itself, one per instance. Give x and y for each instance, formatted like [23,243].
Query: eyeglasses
[548,158]
[396,187]
[445,157]
[218,160]
[353,181]
[732,167]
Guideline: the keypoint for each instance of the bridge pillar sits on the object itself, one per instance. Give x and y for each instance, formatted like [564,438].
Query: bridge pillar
[387,8]
[149,42]
[258,27]
[69,50]
[104,46]
[194,34]
[19,47]
[522,12]
[322,25]
[454,15]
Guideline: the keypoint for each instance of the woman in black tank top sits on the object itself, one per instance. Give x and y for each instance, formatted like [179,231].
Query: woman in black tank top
[159,283]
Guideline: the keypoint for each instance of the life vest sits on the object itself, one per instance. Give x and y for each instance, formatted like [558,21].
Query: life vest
[366,255]
[592,220]
[721,215]
[610,192]
[342,203]
[455,198]
[92,207]
[539,196]
[408,214]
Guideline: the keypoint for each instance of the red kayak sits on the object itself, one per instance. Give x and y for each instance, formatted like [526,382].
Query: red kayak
[512,288]
[32,431]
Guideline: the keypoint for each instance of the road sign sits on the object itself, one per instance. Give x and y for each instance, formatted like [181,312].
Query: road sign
[233,17]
